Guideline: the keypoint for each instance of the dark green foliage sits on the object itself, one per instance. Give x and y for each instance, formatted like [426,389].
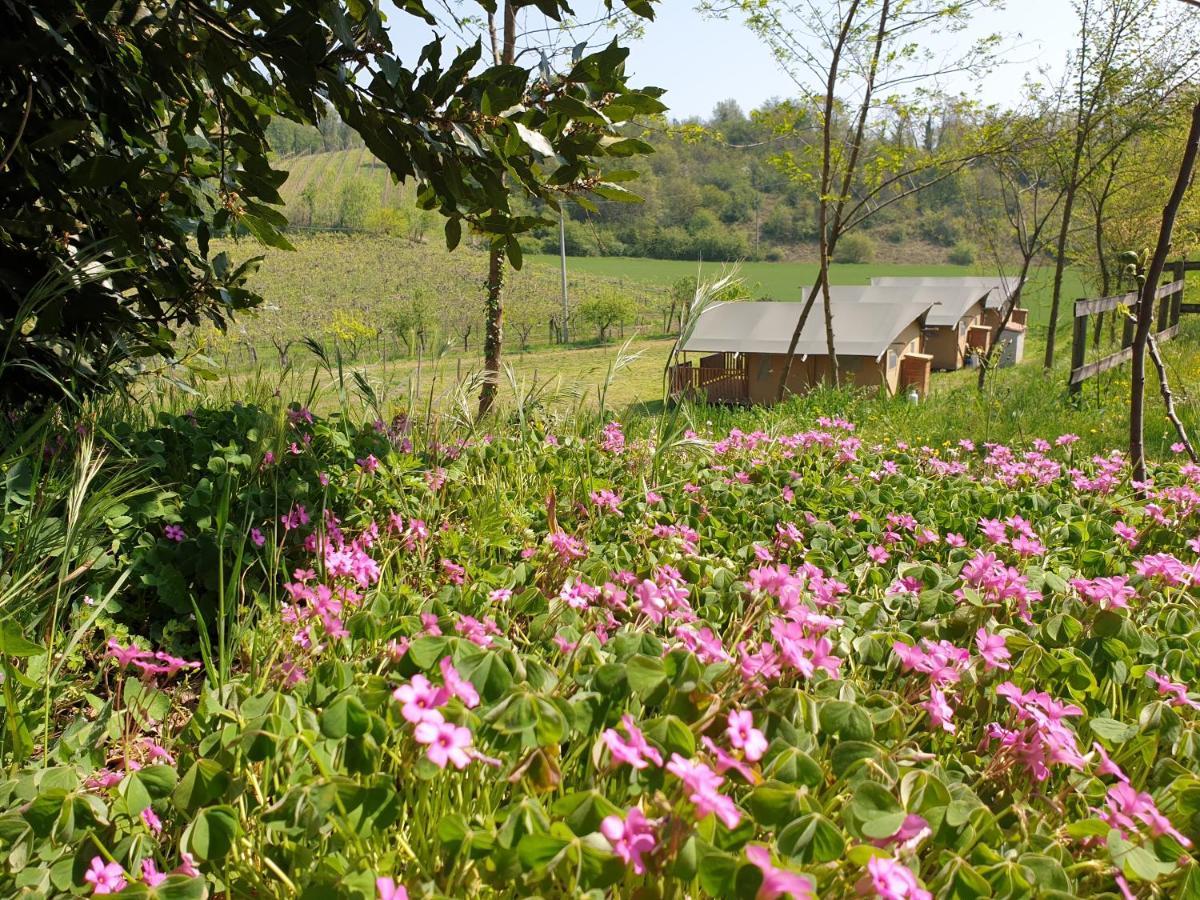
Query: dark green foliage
[134,133]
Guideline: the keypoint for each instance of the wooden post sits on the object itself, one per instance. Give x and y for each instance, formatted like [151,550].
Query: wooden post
[1078,352]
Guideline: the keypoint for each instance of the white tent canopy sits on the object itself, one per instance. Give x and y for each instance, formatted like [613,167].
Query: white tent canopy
[860,327]
[950,302]
[1000,287]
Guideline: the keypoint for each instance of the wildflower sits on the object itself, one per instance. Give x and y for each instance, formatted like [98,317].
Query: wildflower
[1065,440]
[1107,593]
[1107,766]
[953,539]
[614,438]
[778,882]
[726,761]
[1178,692]
[172,533]
[257,537]
[606,500]
[500,595]
[151,877]
[634,750]
[1163,566]
[429,623]
[744,736]
[125,656]
[369,464]
[105,878]
[421,700]
[457,685]
[877,554]
[630,838]
[653,497]
[387,889]
[1126,807]
[187,866]
[151,820]
[445,742]
[157,752]
[565,546]
[909,835]
[455,573]
[890,879]
[993,650]
[565,647]
[940,711]
[702,783]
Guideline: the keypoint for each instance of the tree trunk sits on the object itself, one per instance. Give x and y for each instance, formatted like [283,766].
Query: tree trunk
[1060,262]
[494,327]
[1145,307]
[494,332]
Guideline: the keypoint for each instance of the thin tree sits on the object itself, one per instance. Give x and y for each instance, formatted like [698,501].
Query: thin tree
[1130,61]
[1145,306]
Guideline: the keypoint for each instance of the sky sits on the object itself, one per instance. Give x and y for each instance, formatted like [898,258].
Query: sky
[700,61]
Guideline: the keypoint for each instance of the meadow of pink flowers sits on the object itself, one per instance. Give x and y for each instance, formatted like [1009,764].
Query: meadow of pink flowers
[764,665]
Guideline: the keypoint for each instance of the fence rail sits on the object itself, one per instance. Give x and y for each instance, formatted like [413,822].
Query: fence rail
[1166,328]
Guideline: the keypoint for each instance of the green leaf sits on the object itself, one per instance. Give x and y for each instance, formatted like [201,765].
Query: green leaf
[539,851]
[1112,730]
[645,674]
[812,839]
[203,783]
[13,643]
[346,716]
[847,720]
[212,833]
[879,813]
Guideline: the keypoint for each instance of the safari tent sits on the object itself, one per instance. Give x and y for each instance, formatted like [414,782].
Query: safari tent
[737,352]
[954,326]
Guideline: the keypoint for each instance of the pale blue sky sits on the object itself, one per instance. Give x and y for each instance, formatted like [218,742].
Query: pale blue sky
[700,61]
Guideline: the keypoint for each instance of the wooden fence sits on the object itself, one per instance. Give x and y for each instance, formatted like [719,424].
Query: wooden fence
[1167,326]
[710,384]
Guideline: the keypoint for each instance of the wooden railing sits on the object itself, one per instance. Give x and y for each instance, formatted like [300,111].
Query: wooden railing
[712,385]
[1165,328]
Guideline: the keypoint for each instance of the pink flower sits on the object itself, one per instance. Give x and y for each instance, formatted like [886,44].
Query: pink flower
[1126,807]
[890,879]
[1107,766]
[634,750]
[153,822]
[389,890]
[500,595]
[369,464]
[953,539]
[940,712]
[150,874]
[877,554]
[993,650]
[606,500]
[702,783]
[187,866]
[257,537]
[105,878]
[125,656]
[630,838]
[457,685]
[1178,692]
[445,742]
[778,882]
[744,736]
[909,835]
[421,700]
[176,534]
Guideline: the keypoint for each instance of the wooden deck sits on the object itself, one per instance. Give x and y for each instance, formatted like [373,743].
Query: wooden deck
[709,384]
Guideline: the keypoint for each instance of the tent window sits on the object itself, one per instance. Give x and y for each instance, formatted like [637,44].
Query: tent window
[891,360]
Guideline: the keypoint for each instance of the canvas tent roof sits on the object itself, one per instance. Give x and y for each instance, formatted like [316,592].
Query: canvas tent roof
[999,286]
[860,328]
[950,302]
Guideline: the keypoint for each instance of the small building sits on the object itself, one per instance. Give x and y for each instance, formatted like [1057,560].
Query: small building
[955,325]
[999,294]
[742,349]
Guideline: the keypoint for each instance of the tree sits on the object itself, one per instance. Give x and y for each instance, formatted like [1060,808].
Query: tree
[606,311]
[1149,278]
[134,131]
[1021,182]
[857,51]
[1131,60]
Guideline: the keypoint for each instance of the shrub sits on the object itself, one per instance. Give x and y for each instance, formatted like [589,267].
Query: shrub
[606,311]
[963,254]
[854,248]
